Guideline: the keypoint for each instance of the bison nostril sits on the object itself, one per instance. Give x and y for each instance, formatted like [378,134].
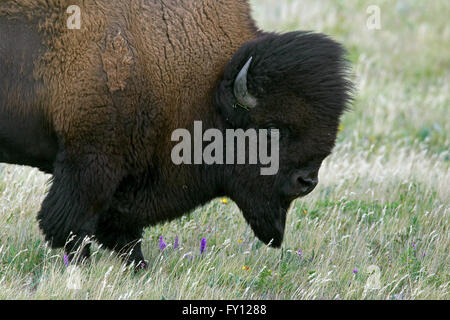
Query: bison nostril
[306,185]
[304,181]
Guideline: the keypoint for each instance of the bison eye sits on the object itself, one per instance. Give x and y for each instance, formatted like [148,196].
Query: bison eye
[273,129]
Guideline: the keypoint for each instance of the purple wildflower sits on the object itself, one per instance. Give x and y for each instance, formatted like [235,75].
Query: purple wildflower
[186,256]
[203,245]
[300,253]
[66,260]
[413,245]
[162,244]
[355,271]
[176,243]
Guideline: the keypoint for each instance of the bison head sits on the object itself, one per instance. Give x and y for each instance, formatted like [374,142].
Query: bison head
[297,83]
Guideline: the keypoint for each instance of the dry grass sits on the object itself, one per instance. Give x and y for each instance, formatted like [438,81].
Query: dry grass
[383,199]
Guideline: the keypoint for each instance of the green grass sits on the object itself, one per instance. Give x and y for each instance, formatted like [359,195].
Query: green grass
[383,198]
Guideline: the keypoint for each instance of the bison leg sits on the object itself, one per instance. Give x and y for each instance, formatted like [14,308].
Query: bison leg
[78,247]
[115,232]
[82,188]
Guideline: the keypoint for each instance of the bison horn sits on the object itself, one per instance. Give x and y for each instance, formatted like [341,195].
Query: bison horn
[244,98]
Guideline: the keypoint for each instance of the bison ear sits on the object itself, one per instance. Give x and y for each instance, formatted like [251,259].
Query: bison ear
[232,97]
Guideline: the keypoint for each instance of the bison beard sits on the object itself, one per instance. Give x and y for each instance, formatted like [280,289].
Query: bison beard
[267,221]
[99,106]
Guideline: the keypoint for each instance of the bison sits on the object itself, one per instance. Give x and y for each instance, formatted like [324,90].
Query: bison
[96,106]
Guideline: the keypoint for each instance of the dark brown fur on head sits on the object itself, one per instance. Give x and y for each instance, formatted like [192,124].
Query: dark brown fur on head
[299,80]
[105,100]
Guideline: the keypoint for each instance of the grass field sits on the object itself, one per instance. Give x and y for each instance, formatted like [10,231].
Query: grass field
[376,227]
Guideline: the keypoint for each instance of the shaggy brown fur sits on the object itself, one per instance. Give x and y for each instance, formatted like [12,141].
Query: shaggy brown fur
[104,100]
[175,50]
